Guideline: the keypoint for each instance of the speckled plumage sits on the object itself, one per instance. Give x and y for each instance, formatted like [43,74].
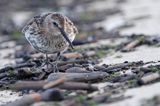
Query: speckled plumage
[47,38]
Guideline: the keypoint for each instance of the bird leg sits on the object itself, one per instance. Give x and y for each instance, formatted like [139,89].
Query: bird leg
[56,62]
[53,65]
[47,62]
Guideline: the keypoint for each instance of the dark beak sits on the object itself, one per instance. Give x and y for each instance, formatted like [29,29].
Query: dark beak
[64,34]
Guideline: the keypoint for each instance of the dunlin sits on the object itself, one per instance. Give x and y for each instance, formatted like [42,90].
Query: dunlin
[50,33]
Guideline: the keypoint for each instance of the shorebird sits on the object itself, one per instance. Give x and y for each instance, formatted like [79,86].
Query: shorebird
[50,33]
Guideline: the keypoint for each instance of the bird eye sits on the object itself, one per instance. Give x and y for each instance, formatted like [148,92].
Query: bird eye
[54,23]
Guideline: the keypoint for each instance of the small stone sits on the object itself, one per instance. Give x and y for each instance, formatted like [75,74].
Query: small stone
[76,70]
[149,78]
[52,95]
[72,55]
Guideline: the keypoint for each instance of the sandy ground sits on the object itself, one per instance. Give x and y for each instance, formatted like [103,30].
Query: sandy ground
[138,95]
[143,14]
[8,96]
[144,53]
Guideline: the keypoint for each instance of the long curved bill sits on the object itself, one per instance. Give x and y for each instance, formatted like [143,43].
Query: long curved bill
[64,35]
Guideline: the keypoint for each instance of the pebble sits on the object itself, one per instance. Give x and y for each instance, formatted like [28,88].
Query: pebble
[149,78]
[76,70]
[52,95]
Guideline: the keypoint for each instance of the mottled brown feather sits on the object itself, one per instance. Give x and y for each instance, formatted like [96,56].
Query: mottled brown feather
[47,38]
